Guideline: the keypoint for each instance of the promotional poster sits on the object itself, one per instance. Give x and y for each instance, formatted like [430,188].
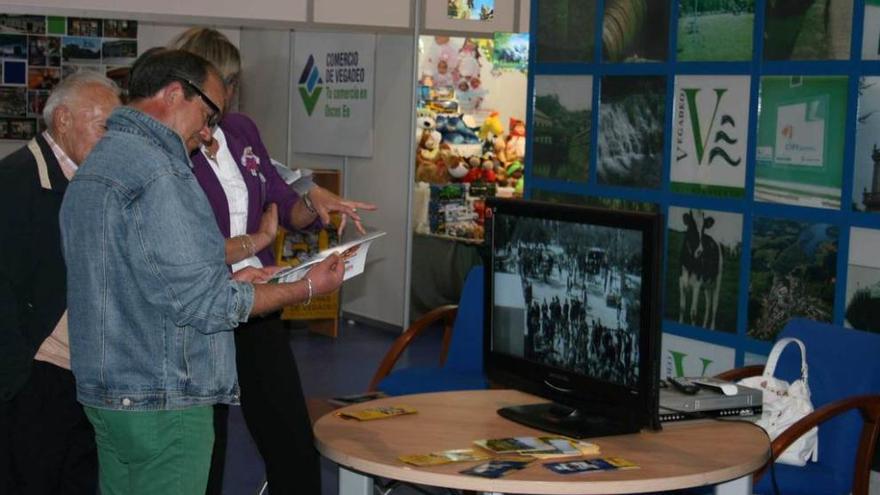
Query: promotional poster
[710,135]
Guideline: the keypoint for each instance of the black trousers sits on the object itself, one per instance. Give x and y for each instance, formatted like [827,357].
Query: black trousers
[47,445]
[274,410]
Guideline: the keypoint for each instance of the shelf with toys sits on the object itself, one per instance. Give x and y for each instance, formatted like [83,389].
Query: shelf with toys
[470,132]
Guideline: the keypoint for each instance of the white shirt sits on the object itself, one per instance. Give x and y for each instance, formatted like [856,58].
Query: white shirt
[229,175]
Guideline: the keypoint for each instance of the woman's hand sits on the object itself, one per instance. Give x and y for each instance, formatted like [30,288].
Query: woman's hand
[325,203]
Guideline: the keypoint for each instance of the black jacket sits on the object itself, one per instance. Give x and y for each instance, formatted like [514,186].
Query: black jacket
[32,273]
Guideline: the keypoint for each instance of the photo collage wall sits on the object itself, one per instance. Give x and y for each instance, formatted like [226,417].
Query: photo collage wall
[37,52]
[752,126]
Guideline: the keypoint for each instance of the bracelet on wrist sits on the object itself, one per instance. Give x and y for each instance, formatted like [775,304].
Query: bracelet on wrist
[307,202]
[309,285]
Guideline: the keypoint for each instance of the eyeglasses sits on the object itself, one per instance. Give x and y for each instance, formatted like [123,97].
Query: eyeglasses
[215,116]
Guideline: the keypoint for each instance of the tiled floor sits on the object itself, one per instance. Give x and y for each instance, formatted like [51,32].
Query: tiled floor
[328,367]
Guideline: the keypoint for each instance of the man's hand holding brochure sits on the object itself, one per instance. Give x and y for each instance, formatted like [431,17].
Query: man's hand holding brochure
[353,253]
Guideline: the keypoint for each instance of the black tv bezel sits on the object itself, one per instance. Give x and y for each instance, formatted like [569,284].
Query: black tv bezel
[638,405]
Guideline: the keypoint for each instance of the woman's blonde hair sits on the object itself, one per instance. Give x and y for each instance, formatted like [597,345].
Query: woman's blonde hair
[213,46]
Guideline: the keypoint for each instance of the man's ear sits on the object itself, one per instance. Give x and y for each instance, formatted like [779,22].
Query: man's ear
[63,118]
[172,93]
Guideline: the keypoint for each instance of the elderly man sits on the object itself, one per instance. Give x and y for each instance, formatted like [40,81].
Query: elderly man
[152,303]
[46,443]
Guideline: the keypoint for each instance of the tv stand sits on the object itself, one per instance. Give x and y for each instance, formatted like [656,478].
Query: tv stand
[568,421]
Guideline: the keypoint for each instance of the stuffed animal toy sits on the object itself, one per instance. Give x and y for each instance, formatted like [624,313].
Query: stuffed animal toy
[488,170]
[515,148]
[491,127]
[515,177]
[475,172]
[456,167]
[455,131]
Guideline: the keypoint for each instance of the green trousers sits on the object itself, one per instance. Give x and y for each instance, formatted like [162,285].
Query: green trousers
[153,452]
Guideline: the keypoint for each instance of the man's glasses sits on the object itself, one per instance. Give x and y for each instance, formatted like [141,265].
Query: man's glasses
[215,116]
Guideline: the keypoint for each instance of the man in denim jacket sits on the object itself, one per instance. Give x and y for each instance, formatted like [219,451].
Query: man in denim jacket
[151,301]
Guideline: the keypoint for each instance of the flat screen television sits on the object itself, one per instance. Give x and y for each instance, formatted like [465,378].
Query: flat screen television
[572,315]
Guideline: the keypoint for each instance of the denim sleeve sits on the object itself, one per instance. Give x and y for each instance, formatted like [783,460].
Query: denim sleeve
[183,257]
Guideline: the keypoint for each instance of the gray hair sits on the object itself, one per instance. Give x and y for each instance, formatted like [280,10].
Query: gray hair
[70,87]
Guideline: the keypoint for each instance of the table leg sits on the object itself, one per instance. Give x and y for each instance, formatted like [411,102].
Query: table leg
[352,483]
[739,486]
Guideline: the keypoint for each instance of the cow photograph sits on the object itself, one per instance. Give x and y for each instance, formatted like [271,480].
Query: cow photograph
[702,268]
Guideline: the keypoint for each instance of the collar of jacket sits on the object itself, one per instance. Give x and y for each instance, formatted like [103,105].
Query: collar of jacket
[132,121]
[48,170]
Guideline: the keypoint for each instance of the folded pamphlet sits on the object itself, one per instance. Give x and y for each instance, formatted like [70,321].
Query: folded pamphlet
[353,254]
[377,413]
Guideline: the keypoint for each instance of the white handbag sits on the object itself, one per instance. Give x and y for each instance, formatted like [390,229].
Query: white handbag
[784,404]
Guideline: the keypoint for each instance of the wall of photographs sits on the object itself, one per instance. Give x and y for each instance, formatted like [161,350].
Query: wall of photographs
[38,51]
[752,125]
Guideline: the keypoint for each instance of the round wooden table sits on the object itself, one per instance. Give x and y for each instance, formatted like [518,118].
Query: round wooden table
[684,454]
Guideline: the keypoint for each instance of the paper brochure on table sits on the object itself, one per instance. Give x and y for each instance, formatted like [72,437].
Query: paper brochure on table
[353,254]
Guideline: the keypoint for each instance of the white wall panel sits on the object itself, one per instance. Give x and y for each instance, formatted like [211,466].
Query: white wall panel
[385,13]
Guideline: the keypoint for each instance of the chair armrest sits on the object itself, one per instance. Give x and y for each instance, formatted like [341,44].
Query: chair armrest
[868,406]
[445,313]
[740,373]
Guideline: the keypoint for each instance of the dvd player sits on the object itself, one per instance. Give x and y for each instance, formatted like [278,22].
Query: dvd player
[710,402]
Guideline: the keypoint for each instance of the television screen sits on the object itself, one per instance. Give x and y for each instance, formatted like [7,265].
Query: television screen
[571,305]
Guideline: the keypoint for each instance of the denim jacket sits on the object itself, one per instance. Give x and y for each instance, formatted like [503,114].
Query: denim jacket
[150,299]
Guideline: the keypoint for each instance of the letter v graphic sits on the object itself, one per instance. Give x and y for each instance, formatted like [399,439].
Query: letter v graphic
[699,142]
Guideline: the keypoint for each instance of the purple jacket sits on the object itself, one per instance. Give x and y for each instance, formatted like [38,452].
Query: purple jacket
[264,185]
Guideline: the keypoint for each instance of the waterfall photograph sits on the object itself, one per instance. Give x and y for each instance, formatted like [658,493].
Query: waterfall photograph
[631,130]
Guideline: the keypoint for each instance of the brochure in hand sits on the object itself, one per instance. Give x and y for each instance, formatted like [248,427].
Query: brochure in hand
[353,253]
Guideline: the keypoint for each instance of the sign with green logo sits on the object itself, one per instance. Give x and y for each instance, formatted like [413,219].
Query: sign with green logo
[710,139]
[687,357]
[332,110]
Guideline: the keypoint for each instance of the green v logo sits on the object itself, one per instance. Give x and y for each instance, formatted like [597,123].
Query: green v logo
[309,100]
[700,141]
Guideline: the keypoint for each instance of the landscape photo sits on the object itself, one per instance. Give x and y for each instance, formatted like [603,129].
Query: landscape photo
[863,280]
[561,136]
[793,273]
[631,135]
[566,30]
[715,30]
[807,29]
[703,254]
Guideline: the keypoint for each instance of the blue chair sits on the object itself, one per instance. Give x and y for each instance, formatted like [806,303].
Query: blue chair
[461,356]
[844,379]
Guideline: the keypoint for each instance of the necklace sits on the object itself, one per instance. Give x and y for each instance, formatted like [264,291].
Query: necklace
[212,155]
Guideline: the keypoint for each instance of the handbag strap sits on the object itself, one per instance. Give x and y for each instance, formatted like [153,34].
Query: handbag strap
[773,358]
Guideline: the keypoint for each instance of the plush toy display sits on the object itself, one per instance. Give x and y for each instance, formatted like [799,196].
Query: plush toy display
[515,148]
